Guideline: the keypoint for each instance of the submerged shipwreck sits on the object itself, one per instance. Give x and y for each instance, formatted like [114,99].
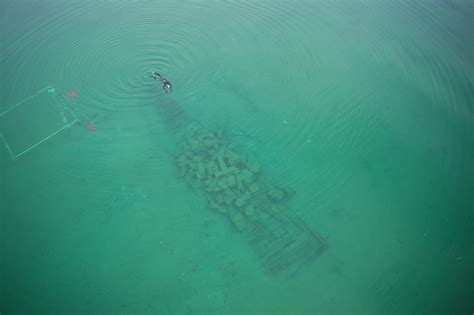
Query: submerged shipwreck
[236,188]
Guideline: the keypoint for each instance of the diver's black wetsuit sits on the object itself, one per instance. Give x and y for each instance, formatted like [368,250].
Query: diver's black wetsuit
[166,84]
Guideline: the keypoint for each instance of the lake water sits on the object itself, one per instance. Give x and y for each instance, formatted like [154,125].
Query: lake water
[363,110]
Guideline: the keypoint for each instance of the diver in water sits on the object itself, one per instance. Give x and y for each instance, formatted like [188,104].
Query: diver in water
[166,84]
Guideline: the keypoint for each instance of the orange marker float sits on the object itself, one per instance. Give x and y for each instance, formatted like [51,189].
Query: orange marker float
[71,93]
[90,126]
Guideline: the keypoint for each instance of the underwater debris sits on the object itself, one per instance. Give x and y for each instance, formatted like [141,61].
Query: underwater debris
[235,187]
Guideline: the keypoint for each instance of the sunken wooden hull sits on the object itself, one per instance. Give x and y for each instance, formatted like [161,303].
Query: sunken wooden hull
[236,188]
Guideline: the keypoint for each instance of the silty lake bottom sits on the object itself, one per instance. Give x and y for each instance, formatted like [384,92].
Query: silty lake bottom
[312,158]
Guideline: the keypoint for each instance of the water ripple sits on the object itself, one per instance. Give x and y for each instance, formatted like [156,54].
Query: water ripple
[301,54]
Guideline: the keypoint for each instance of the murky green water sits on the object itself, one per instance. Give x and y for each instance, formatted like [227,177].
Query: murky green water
[363,109]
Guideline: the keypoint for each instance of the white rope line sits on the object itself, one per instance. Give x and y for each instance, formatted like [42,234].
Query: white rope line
[45,139]
[25,100]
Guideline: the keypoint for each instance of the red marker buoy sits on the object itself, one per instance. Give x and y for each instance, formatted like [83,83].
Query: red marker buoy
[90,126]
[72,93]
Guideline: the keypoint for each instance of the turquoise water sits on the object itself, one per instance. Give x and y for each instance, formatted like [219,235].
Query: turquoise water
[363,109]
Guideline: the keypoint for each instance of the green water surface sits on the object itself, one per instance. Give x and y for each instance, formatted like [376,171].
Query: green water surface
[363,108]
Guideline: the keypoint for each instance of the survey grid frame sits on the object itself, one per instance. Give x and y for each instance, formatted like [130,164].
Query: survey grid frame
[62,108]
